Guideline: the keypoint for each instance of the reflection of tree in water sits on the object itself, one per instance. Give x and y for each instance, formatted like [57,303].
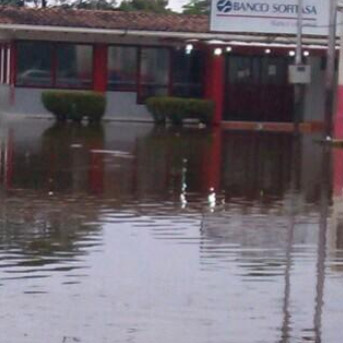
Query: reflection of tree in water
[44,230]
[66,150]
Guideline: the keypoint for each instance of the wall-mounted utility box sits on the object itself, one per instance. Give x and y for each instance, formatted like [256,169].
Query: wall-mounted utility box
[299,74]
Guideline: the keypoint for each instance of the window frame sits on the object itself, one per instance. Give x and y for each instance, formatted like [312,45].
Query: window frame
[54,65]
[137,88]
[134,88]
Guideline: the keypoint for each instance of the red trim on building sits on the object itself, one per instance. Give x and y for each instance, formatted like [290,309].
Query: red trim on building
[337,172]
[100,68]
[214,83]
[338,119]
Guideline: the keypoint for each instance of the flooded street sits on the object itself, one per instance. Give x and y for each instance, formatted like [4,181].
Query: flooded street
[126,233]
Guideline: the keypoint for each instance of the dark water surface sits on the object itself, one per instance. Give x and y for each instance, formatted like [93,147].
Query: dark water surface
[129,234]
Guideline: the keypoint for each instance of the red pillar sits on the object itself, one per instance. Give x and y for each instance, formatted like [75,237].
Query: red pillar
[338,119]
[13,71]
[214,82]
[337,172]
[100,68]
[212,162]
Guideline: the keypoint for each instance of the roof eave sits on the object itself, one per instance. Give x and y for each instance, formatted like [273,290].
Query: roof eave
[163,34]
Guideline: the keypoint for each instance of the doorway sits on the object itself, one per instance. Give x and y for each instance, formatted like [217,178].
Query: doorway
[257,89]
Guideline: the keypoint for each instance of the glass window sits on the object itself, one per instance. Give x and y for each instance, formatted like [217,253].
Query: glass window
[274,70]
[244,69]
[122,68]
[74,66]
[34,64]
[154,72]
[187,73]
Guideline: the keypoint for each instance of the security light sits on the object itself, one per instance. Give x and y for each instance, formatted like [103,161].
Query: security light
[189,48]
[218,51]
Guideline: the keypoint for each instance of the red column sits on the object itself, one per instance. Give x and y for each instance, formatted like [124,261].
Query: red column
[13,71]
[337,172]
[338,119]
[212,162]
[9,160]
[100,68]
[214,82]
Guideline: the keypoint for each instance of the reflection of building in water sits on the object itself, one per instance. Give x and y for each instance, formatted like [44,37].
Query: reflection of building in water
[267,178]
[6,156]
[53,228]
[120,161]
[259,163]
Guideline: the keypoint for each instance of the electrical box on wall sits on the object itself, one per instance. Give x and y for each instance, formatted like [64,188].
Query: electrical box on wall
[299,74]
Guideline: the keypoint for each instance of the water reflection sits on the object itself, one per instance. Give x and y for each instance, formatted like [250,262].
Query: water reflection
[145,234]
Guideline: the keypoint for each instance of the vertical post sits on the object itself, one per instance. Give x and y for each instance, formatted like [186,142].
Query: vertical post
[298,88]
[100,68]
[298,52]
[214,82]
[338,120]
[330,69]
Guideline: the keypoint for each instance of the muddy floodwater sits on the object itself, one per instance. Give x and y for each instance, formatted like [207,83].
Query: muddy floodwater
[126,233]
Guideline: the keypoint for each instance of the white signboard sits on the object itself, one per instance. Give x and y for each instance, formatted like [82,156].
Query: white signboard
[269,16]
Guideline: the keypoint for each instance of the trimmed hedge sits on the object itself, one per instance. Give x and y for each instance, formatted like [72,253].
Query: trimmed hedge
[75,105]
[177,109]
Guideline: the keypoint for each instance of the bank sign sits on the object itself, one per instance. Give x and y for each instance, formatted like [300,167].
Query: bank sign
[269,16]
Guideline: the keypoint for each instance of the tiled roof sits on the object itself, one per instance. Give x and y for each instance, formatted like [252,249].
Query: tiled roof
[104,19]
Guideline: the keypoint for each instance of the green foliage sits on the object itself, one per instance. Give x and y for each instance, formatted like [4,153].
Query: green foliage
[90,4]
[177,109]
[157,6]
[75,105]
[16,3]
[197,7]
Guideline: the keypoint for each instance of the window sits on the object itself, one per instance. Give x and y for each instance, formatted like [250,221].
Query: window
[244,70]
[154,72]
[187,73]
[74,66]
[122,68]
[34,64]
[44,64]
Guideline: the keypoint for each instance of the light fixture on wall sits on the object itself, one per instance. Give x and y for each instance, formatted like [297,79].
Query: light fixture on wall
[267,51]
[189,48]
[291,53]
[228,49]
[218,51]
[306,53]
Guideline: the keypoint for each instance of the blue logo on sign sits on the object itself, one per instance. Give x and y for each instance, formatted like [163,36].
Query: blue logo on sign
[224,6]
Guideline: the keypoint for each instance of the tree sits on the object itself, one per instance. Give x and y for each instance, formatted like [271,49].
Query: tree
[197,7]
[158,6]
[17,3]
[93,4]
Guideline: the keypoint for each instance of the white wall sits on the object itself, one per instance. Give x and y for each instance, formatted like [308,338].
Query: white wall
[315,92]
[123,106]
[27,101]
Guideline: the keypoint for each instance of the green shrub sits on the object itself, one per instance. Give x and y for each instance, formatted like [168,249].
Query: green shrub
[156,107]
[75,105]
[177,109]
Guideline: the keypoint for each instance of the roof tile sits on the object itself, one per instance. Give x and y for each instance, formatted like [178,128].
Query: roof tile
[116,19]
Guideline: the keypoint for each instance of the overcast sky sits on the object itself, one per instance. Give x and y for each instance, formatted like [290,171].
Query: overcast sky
[177,4]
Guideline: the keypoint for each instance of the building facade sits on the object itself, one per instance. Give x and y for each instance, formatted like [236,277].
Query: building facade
[133,55]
